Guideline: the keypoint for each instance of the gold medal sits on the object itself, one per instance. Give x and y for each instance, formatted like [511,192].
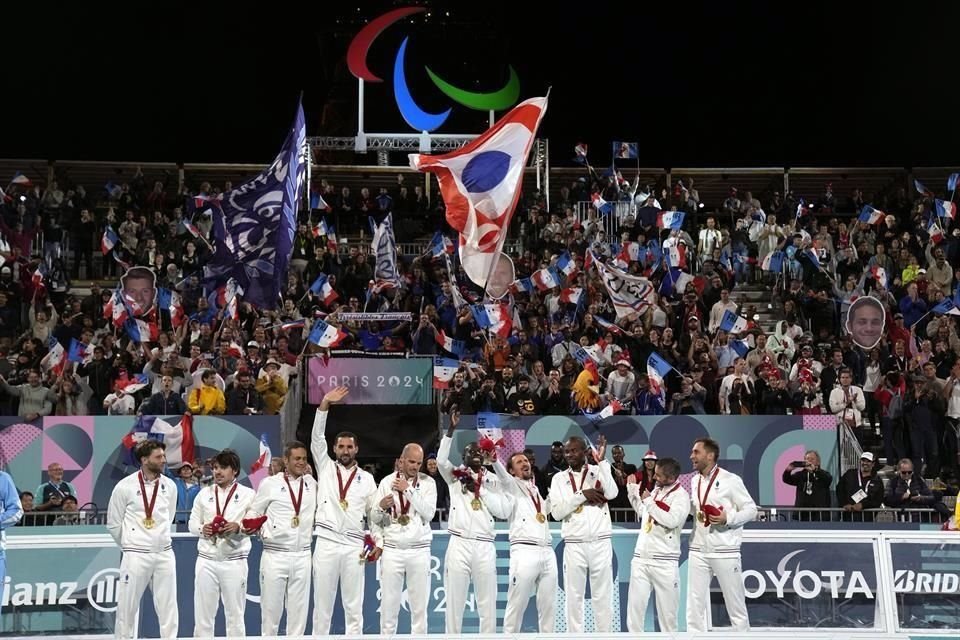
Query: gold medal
[295,521]
[541,518]
[344,504]
[148,523]
[579,509]
[476,504]
[403,520]
[701,517]
[649,526]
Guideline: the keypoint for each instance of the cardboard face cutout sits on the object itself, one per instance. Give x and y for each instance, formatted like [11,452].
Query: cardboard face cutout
[139,289]
[866,322]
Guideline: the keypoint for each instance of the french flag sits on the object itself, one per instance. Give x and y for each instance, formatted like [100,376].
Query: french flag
[115,310]
[295,324]
[869,215]
[456,347]
[331,234]
[566,264]
[580,153]
[935,232]
[265,458]
[325,335]
[109,241]
[77,351]
[440,244]
[733,323]
[547,278]
[677,256]
[773,261]
[607,412]
[21,180]
[523,285]
[670,219]
[802,209]
[56,358]
[922,190]
[608,326]
[179,439]
[601,205]
[317,202]
[495,318]
[141,331]
[952,181]
[879,275]
[946,307]
[137,382]
[192,228]
[812,256]
[322,287]
[742,347]
[946,209]
[657,370]
[443,372]
[170,300]
[571,296]
[233,308]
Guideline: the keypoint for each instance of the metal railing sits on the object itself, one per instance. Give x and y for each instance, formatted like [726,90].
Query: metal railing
[609,223]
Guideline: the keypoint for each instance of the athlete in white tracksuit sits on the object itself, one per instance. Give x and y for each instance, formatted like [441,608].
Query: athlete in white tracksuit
[141,512]
[470,552]
[533,563]
[656,557]
[406,503]
[347,495]
[289,500]
[722,506]
[221,570]
[578,498]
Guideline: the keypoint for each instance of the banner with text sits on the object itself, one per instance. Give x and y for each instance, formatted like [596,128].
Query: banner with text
[402,381]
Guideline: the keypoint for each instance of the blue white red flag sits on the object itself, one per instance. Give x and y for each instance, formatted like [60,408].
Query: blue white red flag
[580,153]
[625,150]
[733,323]
[566,264]
[443,371]
[178,438]
[109,241]
[325,335]
[480,185]
[946,209]
[601,205]
[264,458]
[321,287]
[629,294]
[952,180]
[922,190]
[869,215]
[142,330]
[670,219]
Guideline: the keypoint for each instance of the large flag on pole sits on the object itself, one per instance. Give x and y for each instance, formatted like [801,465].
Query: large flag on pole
[480,185]
[255,223]
[629,294]
[384,247]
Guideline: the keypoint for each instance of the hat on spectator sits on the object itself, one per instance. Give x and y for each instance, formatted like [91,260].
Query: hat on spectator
[898,315]
[186,464]
[625,362]
[866,455]
[272,362]
[650,455]
[253,343]
[5,270]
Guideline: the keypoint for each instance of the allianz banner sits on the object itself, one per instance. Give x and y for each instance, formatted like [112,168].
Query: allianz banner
[380,380]
[792,578]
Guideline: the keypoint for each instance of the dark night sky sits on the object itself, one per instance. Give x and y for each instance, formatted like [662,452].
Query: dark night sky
[718,84]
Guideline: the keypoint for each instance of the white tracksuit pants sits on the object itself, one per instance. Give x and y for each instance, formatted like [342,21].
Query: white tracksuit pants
[395,564]
[664,579]
[215,582]
[466,559]
[596,559]
[137,572]
[533,569]
[699,574]
[284,581]
[333,563]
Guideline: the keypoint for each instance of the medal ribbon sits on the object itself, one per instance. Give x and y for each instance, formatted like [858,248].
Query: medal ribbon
[216,496]
[148,508]
[299,500]
[535,498]
[713,476]
[345,488]
[583,478]
[476,490]
[404,504]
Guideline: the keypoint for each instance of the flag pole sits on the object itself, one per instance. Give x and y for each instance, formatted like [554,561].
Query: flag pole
[921,319]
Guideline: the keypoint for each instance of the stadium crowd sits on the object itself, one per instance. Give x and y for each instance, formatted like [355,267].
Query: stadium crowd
[558,350]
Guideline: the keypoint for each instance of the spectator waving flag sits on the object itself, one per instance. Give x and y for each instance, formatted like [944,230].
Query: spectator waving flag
[625,150]
[495,318]
[134,384]
[456,347]
[606,325]
[170,300]
[676,256]
[22,180]
[443,371]
[109,241]
[773,261]
[733,323]
[946,307]
[317,202]
[480,185]
[571,296]
[325,335]
[56,357]
[802,209]
[657,371]
[523,285]
[546,278]
[952,181]
[629,294]
[439,245]
[254,227]
[946,209]
[321,287]
[869,215]
[922,190]
[77,352]
[935,232]
[580,153]
[265,458]
[742,347]
[601,205]
[384,248]
[812,257]
[670,219]
[178,438]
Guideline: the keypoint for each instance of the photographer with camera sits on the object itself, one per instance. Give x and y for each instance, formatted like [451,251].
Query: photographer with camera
[813,487]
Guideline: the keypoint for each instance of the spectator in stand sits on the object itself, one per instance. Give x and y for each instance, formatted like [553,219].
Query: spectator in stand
[53,492]
[207,399]
[70,515]
[907,490]
[29,515]
[951,438]
[443,491]
[860,490]
[272,388]
[243,399]
[622,386]
[522,401]
[187,489]
[488,398]
[166,402]
[690,400]
[621,471]
[557,463]
[34,397]
[555,398]
[922,409]
[424,338]
[813,487]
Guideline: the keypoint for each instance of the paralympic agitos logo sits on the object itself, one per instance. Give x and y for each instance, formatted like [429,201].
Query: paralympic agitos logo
[415,116]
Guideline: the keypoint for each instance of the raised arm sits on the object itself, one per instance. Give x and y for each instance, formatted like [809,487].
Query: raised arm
[444,466]
[318,436]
